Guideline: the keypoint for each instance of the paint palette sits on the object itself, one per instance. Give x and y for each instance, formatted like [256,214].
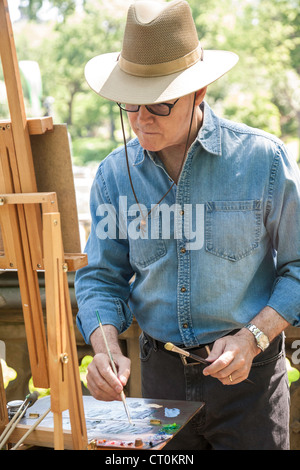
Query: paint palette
[154,422]
[150,426]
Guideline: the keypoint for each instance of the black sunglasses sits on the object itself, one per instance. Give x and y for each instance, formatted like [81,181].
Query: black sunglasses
[159,109]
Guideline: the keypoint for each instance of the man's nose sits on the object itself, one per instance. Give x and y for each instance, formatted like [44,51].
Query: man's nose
[144,114]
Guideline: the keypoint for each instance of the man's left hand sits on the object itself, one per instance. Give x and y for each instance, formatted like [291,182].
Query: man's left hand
[232,357]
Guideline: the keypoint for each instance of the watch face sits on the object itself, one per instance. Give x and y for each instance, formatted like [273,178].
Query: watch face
[262,341]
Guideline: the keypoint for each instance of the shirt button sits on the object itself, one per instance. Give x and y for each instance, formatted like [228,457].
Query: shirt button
[185,325]
[182,250]
[182,212]
[183,289]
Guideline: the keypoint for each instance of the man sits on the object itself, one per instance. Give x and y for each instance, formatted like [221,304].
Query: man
[195,232]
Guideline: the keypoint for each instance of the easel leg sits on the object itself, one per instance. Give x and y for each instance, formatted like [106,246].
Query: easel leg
[58,432]
[63,362]
[75,393]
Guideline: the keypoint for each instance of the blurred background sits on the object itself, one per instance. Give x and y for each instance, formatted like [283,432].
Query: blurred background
[55,39]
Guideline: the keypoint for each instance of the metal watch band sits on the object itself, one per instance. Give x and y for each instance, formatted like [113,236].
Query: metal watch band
[261,339]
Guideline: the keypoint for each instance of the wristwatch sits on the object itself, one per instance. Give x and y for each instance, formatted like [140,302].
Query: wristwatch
[262,341]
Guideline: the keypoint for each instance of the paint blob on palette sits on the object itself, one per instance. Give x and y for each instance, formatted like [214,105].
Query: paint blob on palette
[172,412]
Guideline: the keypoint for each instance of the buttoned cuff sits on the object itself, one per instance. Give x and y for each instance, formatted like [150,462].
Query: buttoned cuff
[111,311]
[285,299]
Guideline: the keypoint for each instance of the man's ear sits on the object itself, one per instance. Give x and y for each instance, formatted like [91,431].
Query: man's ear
[200,94]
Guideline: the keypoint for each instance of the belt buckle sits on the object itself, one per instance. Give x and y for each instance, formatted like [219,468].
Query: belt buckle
[186,363]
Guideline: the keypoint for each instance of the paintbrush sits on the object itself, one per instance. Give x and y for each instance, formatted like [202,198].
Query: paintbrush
[113,366]
[173,348]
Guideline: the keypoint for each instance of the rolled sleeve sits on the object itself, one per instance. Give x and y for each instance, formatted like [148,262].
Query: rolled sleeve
[112,311]
[283,223]
[286,300]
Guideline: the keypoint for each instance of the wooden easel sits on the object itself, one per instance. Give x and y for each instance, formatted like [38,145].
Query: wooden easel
[32,241]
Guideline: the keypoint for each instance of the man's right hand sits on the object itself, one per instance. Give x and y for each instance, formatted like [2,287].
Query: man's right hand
[102,382]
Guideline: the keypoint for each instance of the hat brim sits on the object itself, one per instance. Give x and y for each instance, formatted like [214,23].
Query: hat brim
[105,77]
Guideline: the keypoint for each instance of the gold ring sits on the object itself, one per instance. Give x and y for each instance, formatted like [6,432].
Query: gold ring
[230,378]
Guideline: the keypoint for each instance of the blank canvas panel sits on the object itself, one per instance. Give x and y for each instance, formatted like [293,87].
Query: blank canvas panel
[53,169]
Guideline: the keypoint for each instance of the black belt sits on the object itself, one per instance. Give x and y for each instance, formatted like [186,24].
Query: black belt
[202,350]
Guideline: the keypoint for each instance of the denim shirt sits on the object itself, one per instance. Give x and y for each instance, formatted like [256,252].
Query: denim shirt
[223,243]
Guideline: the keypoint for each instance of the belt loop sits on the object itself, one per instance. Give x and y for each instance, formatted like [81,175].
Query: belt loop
[155,347]
[152,341]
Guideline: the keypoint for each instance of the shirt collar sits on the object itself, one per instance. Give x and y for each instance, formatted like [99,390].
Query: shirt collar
[209,136]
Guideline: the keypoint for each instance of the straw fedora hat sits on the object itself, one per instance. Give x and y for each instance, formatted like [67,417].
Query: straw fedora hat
[161,57]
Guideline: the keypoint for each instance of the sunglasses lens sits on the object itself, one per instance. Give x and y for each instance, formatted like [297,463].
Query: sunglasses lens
[131,108]
[160,109]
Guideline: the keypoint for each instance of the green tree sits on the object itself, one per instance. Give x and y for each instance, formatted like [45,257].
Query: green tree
[73,44]
[30,9]
[262,89]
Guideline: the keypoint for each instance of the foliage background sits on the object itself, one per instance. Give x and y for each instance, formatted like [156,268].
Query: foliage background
[263,90]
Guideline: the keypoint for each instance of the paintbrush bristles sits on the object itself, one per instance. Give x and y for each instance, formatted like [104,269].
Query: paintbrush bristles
[172,347]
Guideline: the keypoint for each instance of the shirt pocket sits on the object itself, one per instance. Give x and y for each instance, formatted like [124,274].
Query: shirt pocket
[232,228]
[145,246]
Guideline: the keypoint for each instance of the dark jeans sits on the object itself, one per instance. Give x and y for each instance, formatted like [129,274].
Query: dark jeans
[235,417]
